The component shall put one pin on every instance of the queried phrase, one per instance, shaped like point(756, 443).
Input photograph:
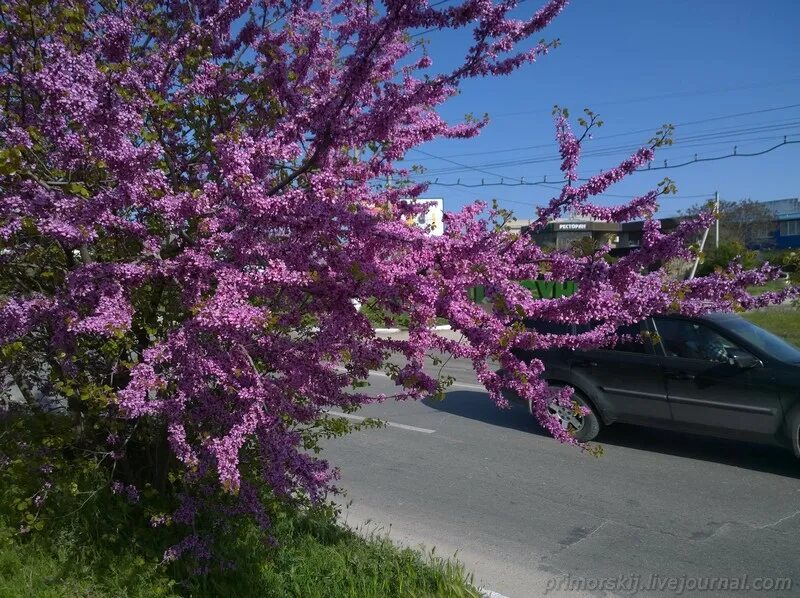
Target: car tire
point(591, 424)
point(793, 430)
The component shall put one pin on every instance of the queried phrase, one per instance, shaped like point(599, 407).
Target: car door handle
point(680, 376)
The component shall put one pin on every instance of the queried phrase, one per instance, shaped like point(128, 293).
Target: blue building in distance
point(787, 222)
point(782, 232)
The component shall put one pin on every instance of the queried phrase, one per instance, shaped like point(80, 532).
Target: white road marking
point(490, 594)
point(471, 386)
point(390, 424)
point(458, 384)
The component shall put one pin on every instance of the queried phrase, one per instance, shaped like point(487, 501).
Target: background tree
point(747, 222)
point(185, 220)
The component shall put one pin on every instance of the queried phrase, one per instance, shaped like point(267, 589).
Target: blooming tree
point(189, 207)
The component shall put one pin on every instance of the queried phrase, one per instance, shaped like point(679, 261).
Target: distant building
point(782, 233)
point(562, 232)
point(623, 237)
point(630, 236)
point(516, 226)
point(433, 219)
point(786, 230)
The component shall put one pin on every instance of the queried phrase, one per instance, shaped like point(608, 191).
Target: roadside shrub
point(721, 257)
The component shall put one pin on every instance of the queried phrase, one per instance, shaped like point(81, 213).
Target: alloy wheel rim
point(566, 416)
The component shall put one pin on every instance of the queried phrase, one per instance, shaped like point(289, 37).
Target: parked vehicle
point(717, 374)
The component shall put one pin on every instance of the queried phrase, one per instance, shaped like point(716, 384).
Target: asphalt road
point(526, 514)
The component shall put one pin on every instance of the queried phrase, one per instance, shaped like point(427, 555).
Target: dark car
point(717, 374)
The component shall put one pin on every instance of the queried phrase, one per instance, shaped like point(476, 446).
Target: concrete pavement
point(523, 512)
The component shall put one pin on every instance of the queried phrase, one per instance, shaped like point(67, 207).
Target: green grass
point(60, 568)
point(380, 318)
point(314, 558)
point(317, 559)
point(782, 321)
point(772, 285)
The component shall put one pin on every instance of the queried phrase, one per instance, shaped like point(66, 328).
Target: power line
point(734, 154)
point(712, 139)
point(634, 132)
point(531, 205)
point(437, 28)
point(475, 168)
point(695, 147)
point(423, 32)
point(614, 152)
point(695, 160)
point(746, 142)
point(676, 94)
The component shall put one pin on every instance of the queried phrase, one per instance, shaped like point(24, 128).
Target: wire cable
point(722, 138)
point(677, 94)
point(634, 132)
point(522, 183)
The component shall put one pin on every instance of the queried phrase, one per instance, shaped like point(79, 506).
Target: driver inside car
point(707, 345)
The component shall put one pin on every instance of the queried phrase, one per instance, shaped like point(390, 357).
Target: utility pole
point(697, 259)
point(705, 236)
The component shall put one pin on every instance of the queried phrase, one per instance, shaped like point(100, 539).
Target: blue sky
point(638, 63)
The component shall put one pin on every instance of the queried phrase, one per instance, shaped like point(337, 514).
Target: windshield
point(766, 341)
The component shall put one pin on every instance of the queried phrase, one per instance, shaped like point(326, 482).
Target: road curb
point(396, 330)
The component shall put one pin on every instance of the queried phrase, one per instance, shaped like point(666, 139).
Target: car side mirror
point(743, 359)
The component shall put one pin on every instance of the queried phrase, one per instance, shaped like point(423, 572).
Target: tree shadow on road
point(478, 406)
point(764, 458)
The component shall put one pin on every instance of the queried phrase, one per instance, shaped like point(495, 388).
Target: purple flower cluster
point(129, 491)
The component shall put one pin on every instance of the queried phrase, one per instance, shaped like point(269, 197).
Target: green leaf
point(78, 189)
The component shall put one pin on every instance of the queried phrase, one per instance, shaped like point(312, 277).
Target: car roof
point(717, 316)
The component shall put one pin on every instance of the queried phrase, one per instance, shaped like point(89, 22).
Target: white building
point(433, 219)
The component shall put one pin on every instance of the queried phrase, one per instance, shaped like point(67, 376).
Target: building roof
point(784, 209)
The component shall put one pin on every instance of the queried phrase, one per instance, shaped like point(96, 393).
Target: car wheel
point(793, 429)
point(583, 427)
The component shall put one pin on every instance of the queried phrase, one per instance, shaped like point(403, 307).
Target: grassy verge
point(380, 318)
point(772, 285)
point(314, 557)
point(781, 321)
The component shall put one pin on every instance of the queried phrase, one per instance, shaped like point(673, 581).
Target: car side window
point(632, 340)
point(692, 340)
